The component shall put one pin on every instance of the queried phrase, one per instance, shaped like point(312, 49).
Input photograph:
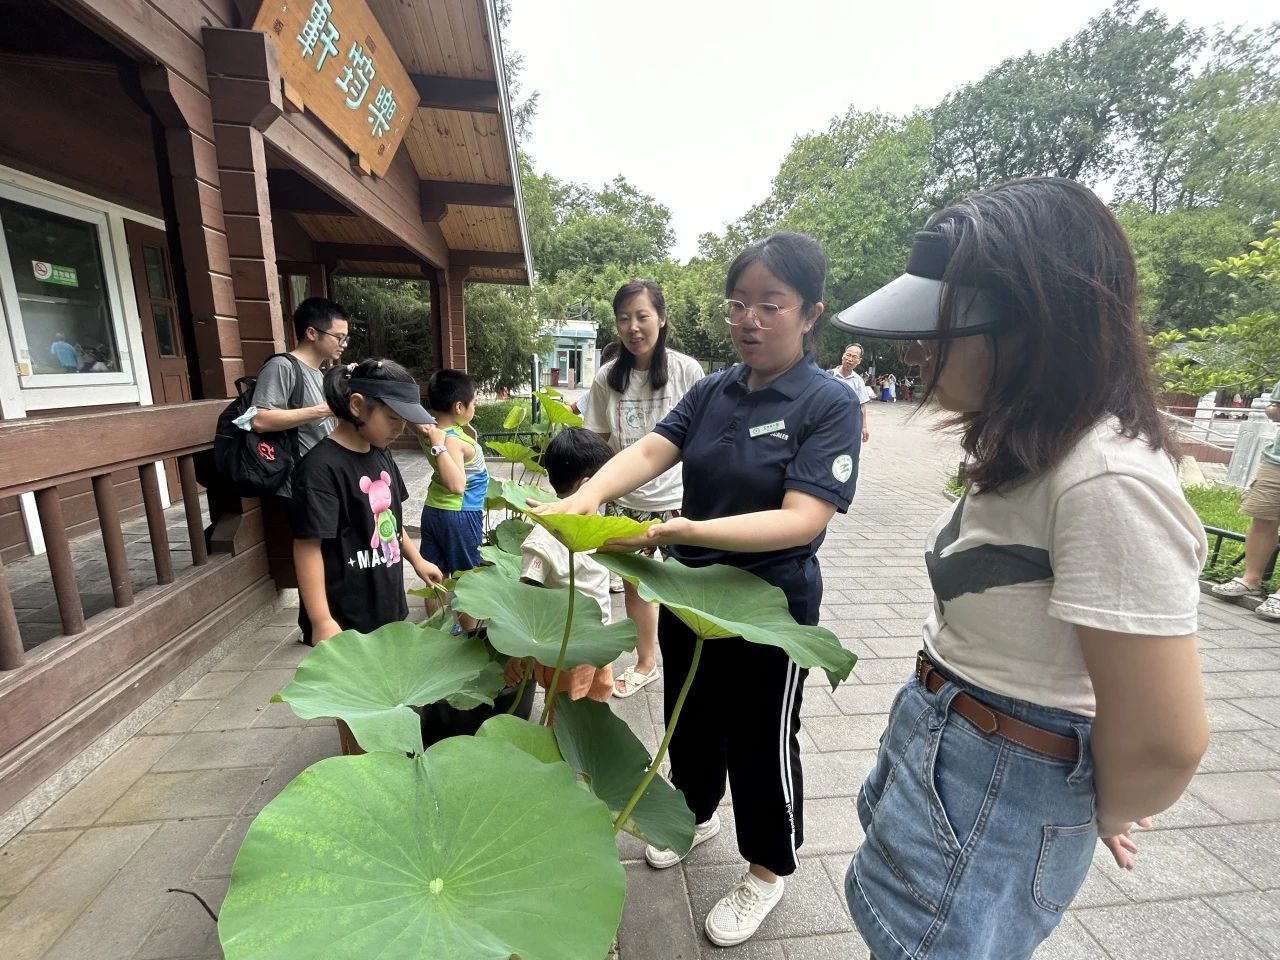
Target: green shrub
point(489, 416)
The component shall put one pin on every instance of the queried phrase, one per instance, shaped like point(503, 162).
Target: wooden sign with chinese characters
point(335, 55)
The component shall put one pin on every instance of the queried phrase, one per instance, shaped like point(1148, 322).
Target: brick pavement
point(87, 877)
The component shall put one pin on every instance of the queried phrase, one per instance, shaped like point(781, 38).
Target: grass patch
point(489, 416)
point(1218, 507)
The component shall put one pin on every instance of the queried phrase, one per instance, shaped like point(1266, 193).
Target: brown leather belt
point(991, 721)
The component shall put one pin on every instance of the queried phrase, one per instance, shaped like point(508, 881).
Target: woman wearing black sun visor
point(1057, 696)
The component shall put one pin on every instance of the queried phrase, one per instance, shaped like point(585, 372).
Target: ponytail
point(337, 384)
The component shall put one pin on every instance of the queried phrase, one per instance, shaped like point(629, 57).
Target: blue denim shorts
point(975, 845)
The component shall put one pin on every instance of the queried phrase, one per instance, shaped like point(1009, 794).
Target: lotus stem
point(666, 740)
point(524, 678)
point(564, 649)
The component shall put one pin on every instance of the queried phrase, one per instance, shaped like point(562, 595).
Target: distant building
point(570, 359)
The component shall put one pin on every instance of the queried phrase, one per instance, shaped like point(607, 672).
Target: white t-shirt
point(855, 383)
point(1105, 539)
point(545, 560)
point(628, 416)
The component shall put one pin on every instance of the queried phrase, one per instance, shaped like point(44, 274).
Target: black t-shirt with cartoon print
point(351, 502)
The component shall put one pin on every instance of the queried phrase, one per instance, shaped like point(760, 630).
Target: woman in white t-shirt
point(628, 397)
point(1057, 699)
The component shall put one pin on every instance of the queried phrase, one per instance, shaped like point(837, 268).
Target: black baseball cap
point(907, 308)
point(401, 396)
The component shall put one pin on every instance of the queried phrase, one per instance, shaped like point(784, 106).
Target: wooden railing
point(41, 456)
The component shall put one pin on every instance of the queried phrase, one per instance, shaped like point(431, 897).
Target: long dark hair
point(1057, 261)
point(620, 372)
point(337, 384)
point(794, 258)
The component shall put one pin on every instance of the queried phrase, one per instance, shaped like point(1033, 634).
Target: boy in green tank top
point(453, 516)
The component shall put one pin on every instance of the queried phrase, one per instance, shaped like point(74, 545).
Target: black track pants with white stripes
point(741, 719)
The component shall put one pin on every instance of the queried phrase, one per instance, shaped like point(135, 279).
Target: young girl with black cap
point(1057, 698)
point(346, 512)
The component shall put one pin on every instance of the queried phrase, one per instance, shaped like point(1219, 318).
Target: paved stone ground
point(32, 590)
point(88, 878)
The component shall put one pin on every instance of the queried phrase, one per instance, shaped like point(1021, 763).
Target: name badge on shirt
point(767, 428)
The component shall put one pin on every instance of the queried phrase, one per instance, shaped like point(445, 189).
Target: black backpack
point(256, 464)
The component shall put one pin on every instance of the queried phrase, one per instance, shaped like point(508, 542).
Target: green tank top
point(472, 497)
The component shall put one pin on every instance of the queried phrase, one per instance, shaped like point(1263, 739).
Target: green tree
point(1171, 250)
point(389, 318)
point(1242, 354)
point(1217, 142)
point(504, 331)
point(587, 228)
point(1069, 112)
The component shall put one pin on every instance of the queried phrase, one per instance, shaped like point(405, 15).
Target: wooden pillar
point(194, 213)
point(449, 317)
point(244, 89)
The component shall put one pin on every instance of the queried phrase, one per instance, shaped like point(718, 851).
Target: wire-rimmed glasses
point(735, 313)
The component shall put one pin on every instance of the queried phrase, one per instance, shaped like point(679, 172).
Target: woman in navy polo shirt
point(770, 453)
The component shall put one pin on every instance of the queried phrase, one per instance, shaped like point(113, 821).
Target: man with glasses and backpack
point(289, 394)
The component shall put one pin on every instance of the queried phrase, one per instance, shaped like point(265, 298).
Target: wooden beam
point(486, 258)
point(454, 93)
point(436, 195)
point(374, 252)
point(295, 193)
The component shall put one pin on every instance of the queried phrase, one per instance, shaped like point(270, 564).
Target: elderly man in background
point(847, 374)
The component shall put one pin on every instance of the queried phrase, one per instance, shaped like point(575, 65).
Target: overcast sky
point(697, 101)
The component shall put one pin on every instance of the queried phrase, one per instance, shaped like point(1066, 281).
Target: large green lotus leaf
point(721, 601)
point(503, 561)
point(510, 534)
point(493, 495)
point(516, 453)
point(581, 534)
point(483, 691)
point(558, 412)
point(372, 681)
point(508, 564)
point(537, 741)
point(515, 416)
point(515, 495)
point(601, 747)
point(473, 851)
point(528, 621)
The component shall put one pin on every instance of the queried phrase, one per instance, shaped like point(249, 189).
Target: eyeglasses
point(342, 340)
point(765, 313)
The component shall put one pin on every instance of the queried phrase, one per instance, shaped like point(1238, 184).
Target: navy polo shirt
point(742, 451)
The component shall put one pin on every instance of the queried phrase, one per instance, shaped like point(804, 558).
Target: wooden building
point(175, 176)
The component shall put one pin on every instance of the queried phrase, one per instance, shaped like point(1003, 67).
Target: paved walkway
point(88, 878)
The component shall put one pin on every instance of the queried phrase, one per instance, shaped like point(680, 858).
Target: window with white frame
point(57, 279)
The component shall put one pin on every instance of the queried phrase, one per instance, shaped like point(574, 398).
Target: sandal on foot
point(1269, 609)
point(635, 681)
point(1234, 588)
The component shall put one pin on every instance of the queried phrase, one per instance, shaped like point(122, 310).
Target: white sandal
point(635, 681)
point(1235, 587)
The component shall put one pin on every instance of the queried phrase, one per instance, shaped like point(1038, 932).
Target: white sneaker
point(740, 912)
point(661, 859)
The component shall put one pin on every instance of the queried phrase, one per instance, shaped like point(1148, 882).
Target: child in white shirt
point(571, 458)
